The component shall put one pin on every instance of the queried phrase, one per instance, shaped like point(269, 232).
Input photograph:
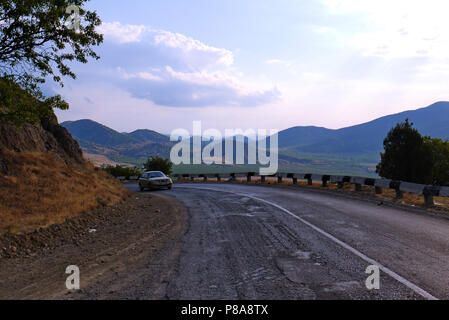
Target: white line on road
point(388, 271)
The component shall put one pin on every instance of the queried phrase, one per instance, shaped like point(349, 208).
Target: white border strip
point(388, 271)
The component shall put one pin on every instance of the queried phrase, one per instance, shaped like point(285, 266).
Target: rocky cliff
point(48, 136)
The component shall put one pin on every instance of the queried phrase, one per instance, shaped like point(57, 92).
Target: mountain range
point(350, 150)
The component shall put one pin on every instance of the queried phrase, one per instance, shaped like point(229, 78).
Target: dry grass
point(42, 191)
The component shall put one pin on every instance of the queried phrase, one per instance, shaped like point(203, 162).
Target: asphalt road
point(253, 242)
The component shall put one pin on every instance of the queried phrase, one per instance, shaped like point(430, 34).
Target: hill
point(352, 150)
point(131, 148)
point(146, 135)
point(45, 180)
point(94, 132)
point(366, 138)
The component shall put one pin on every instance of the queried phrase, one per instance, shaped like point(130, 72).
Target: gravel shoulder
point(125, 251)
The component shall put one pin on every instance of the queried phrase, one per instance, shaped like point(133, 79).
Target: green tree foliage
point(36, 44)
point(18, 106)
point(127, 172)
point(440, 159)
point(407, 157)
point(159, 164)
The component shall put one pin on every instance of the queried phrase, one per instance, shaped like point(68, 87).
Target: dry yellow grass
point(42, 190)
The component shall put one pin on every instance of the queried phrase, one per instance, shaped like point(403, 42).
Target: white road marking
point(388, 271)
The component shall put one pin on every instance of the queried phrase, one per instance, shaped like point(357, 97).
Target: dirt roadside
point(125, 251)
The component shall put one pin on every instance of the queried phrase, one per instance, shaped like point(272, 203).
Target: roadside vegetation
point(43, 178)
point(41, 190)
point(37, 44)
point(159, 164)
point(126, 172)
point(410, 157)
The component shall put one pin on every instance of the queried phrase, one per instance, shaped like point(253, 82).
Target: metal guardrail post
point(429, 192)
point(428, 200)
point(396, 186)
point(309, 179)
point(325, 179)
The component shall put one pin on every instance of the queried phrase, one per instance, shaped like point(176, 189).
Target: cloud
point(195, 89)
point(174, 70)
point(120, 33)
point(193, 53)
point(192, 46)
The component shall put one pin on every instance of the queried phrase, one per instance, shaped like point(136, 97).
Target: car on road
point(154, 180)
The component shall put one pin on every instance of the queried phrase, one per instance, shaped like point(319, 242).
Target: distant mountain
point(366, 138)
point(352, 150)
point(134, 147)
point(149, 135)
point(303, 136)
point(94, 132)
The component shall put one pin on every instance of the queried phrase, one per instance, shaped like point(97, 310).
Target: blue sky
point(261, 64)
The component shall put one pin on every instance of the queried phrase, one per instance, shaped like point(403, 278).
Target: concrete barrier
point(412, 187)
point(382, 183)
point(444, 191)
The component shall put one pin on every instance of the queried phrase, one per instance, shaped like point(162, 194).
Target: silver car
point(154, 180)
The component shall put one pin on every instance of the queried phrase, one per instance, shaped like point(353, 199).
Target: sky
point(260, 64)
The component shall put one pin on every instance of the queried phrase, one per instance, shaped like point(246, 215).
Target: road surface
point(235, 241)
point(254, 242)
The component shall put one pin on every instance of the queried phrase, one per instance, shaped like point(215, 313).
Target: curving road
point(254, 242)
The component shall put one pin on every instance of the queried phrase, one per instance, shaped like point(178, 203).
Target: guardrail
point(429, 192)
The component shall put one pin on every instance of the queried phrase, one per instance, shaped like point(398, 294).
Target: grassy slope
point(44, 190)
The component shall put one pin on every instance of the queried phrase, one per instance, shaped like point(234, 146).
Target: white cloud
point(195, 89)
point(141, 75)
point(194, 53)
point(187, 44)
point(172, 69)
point(122, 33)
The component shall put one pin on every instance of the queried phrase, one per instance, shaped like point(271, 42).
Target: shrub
point(127, 172)
point(159, 164)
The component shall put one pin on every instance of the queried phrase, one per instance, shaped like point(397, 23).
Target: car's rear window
point(156, 174)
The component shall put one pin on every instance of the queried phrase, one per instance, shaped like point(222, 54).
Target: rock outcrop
point(48, 136)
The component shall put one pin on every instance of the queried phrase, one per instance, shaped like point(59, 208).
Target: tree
point(406, 156)
point(440, 159)
point(159, 164)
point(37, 43)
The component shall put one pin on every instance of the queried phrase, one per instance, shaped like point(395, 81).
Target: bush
point(127, 172)
point(159, 164)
